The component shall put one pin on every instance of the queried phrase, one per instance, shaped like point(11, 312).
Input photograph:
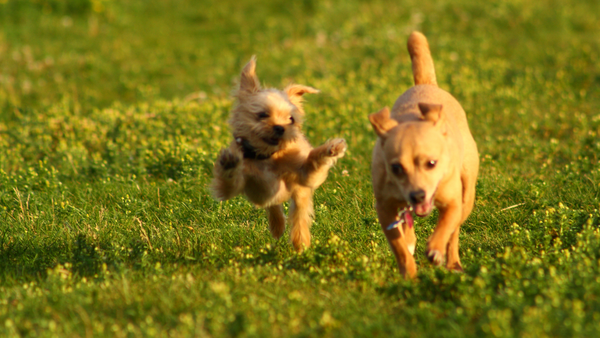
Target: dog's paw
point(409, 269)
point(336, 148)
point(456, 267)
point(435, 257)
point(229, 160)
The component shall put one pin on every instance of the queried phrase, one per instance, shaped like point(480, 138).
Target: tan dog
point(270, 160)
point(425, 156)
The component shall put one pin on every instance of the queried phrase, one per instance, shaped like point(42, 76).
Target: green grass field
point(112, 113)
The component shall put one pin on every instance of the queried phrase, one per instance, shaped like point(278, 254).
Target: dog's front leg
point(397, 240)
point(301, 211)
point(320, 159)
point(228, 180)
point(447, 226)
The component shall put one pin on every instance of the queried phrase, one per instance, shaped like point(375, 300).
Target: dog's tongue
point(408, 219)
point(422, 209)
point(405, 217)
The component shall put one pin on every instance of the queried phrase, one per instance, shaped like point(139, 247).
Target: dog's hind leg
point(452, 258)
point(468, 200)
point(276, 220)
point(468, 194)
point(301, 211)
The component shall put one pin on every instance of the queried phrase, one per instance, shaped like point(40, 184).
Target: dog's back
point(426, 90)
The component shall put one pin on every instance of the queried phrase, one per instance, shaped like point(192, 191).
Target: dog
point(424, 157)
point(269, 160)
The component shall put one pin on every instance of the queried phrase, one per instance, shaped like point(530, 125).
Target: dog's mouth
point(423, 209)
point(273, 141)
point(405, 215)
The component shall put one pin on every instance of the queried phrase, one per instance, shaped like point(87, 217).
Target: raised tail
point(422, 63)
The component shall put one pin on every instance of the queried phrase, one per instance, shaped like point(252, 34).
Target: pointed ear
point(381, 122)
point(296, 91)
point(431, 112)
point(249, 81)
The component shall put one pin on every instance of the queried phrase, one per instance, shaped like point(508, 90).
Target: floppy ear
point(296, 91)
point(434, 113)
point(249, 81)
point(381, 122)
point(431, 112)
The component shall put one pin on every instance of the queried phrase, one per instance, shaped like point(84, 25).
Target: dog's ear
point(249, 81)
point(381, 122)
point(296, 91)
point(434, 113)
point(431, 112)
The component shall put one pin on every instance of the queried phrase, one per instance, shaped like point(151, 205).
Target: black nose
point(417, 197)
point(279, 130)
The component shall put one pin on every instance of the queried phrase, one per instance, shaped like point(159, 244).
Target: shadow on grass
point(22, 261)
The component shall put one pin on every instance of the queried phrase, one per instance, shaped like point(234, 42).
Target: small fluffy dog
point(425, 156)
point(270, 160)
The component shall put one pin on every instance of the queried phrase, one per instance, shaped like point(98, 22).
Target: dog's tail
point(422, 63)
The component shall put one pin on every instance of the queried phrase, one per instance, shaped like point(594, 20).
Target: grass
point(112, 113)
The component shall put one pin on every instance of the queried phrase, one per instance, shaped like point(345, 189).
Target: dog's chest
point(265, 185)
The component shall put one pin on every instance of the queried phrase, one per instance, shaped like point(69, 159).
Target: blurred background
point(94, 52)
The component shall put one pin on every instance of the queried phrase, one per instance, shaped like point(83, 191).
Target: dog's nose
point(417, 197)
point(279, 130)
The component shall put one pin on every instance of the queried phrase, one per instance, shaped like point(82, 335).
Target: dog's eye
point(431, 164)
point(397, 169)
point(262, 115)
point(292, 121)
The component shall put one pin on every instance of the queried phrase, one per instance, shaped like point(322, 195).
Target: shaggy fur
point(270, 160)
point(425, 156)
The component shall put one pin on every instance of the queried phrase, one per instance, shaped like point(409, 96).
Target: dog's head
point(415, 154)
point(267, 119)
